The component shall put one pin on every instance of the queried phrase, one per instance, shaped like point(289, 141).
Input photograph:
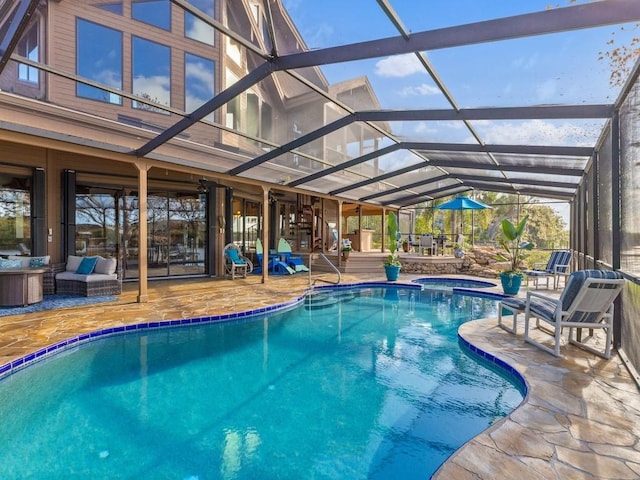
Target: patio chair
point(586, 302)
point(293, 260)
point(274, 264)
point(427, 243)
point(235, 262)
point(558, 264)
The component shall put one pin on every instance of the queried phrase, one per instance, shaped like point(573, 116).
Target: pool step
point(326, 299)
point(315, 301)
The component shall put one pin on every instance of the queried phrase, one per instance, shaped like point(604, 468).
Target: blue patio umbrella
point(463, 203)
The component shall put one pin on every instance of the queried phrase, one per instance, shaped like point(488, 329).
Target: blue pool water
point(374, 385)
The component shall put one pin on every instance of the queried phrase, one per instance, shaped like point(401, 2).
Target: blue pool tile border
point(11, 367)
point(26, 360)
point(511, 373)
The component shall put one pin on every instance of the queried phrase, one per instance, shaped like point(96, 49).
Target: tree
point(621, 57)
point(546, 228)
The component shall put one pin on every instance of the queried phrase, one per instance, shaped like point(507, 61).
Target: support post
point(143, 170)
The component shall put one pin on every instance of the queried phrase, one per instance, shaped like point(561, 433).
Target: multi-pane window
point(198, 82)
point(151, 65)
point(28, 48)
point(195, 28)
point(153, 12)
point(15, 215)
point(99, 58)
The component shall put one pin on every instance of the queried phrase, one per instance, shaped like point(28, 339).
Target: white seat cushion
point(94, 277)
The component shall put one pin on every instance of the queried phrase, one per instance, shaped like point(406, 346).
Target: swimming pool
point(444, 283)
point(373, 386)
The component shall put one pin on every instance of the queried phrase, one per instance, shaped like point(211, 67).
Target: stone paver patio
point(581, 418)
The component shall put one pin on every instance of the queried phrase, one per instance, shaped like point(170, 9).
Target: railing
point(328, 262)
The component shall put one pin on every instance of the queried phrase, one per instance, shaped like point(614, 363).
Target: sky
point(561, 68)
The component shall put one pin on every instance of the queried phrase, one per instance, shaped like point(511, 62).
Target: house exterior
point(69, 183)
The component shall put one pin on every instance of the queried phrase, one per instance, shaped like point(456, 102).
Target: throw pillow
point(36, 262)
point(10, 263)
point(106, 266)
point(73, 262)
point(87, 265)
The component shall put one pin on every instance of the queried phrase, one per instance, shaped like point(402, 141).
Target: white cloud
point(201, 31)
point(399, 66)
point(110, 78)
point(423, 89)
point(200, 77)
point(157, 88)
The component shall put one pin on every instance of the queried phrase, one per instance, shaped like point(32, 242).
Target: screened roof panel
point(432, 131)
point(419, 190)
point(322, 88)
point(541, 161)
point(320, 26)
point(562, 68)
point(516, 177)
point(573, 132)
point(443, 158)
point(417, 18)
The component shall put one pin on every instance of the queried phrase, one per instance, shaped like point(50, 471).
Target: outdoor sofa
point(89, 276)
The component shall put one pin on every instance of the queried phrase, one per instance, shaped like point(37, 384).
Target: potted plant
point(405, 245)
point(392, 263)
point(458, 250)
point(345, 252)
point(514, 253)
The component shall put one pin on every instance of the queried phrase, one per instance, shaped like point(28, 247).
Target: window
point(15, 214)
point(195, 28)
point(151, 74)
point(198, 82)
point(261, 22)
point(253, 115)
point(113, 7)
point(153, 12)
point(266, 117)
point(233, 119)
point(28, 48)
point(99, 58)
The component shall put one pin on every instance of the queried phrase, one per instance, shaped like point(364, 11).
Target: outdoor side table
point(21, 286)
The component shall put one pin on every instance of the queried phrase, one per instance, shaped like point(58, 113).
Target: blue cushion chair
point(586, 302)
point(559, 263)
point(274, 264)
point(294, 261)
point(235, 262)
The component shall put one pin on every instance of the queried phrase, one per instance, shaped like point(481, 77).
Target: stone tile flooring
point(581, 418)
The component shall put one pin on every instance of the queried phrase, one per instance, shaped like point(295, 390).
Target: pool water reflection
point(373, 385)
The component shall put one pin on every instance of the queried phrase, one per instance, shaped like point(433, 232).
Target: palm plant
point(392, 232)
point(514, 248)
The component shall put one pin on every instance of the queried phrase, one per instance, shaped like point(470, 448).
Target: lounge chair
point(274, 264)
point(235, 262)
point(291, 259)
point(559, 264)
point(586, 302)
